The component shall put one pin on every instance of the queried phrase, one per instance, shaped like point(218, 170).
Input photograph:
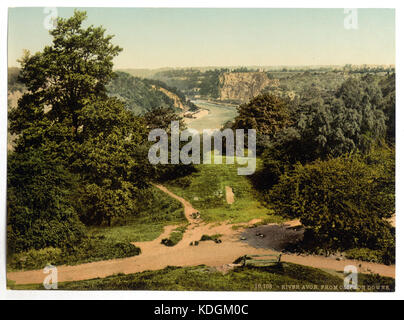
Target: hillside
point(142, 95)
point(243, 86)
point(236, 86)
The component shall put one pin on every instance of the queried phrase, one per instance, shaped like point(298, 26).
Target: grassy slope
point(286, 277)
point(206, 193)
point(105, 243)
point(163, 211)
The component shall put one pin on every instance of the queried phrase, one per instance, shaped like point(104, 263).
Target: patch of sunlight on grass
point(206, 192)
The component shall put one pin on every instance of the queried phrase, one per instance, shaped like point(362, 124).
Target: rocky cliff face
point(243, 86)
point(176, 100)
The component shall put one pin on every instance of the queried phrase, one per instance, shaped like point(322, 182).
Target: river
point(217, 116)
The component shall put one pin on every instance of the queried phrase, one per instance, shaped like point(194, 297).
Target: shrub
point(32, 259)
point(39, 206)
point(206, 237)
point(343, 202)
point(364, 254)
point(175, 236)
point(89, 250)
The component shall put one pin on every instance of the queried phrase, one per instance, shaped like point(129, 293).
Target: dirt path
point(156, 256)
point(188, 209)
point(229, 195)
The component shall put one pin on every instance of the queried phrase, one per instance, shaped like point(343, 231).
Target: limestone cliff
point(176, 99)
point(243, 86)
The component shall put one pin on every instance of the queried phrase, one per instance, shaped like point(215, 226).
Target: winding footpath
point(156, 256)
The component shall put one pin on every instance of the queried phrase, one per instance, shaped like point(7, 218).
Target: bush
point(206, 237)
point(175, 236)
point(365, 254)
point(39, 203)
point(32, 259)
point(343, 203)
point(89, 250)
point(96, 248)
point(387, 255)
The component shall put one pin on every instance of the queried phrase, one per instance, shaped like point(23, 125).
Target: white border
point(146, 295)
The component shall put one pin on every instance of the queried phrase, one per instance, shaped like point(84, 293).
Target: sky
point(171, 37)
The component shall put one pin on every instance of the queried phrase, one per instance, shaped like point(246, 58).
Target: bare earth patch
point(229, 195)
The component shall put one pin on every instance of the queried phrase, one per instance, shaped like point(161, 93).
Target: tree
point(210, 83)
point(39, 203)
point(343, 202)
point(266, 113)
point(111, 161)
point(332, 125)
point(388, 87)
point(60, 79)
point(67, 113)
point(161, 118)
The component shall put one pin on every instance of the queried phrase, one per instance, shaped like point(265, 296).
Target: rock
point(243, 86)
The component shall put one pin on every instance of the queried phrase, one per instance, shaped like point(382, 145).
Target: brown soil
point(155, 256)
point(229, 195)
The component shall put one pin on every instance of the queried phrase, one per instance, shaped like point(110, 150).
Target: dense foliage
point(268, 114)
point(343, 202)
point(193, 82)
point(12, 81)
point(79, 155)
point(39, 203)
point(89, 250)
point(209, 86)
point(144, 95)
point(328, 159)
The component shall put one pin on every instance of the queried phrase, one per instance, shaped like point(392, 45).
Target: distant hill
point(142, 95)
point(234, 86)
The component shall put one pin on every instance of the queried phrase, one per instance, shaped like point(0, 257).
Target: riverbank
point(212, 115)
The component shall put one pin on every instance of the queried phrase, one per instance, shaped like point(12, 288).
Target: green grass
point(175, 236)
point(282, 277)
point(214, 237)
point(147, 226)
point(205, 189)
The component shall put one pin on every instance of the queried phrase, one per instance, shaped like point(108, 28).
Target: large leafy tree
point(266, 113)
point(343, 202)
point(63, 77)
point(67, 113)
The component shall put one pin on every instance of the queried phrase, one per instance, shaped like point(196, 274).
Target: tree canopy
point(343, 202)
point(67, 115)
